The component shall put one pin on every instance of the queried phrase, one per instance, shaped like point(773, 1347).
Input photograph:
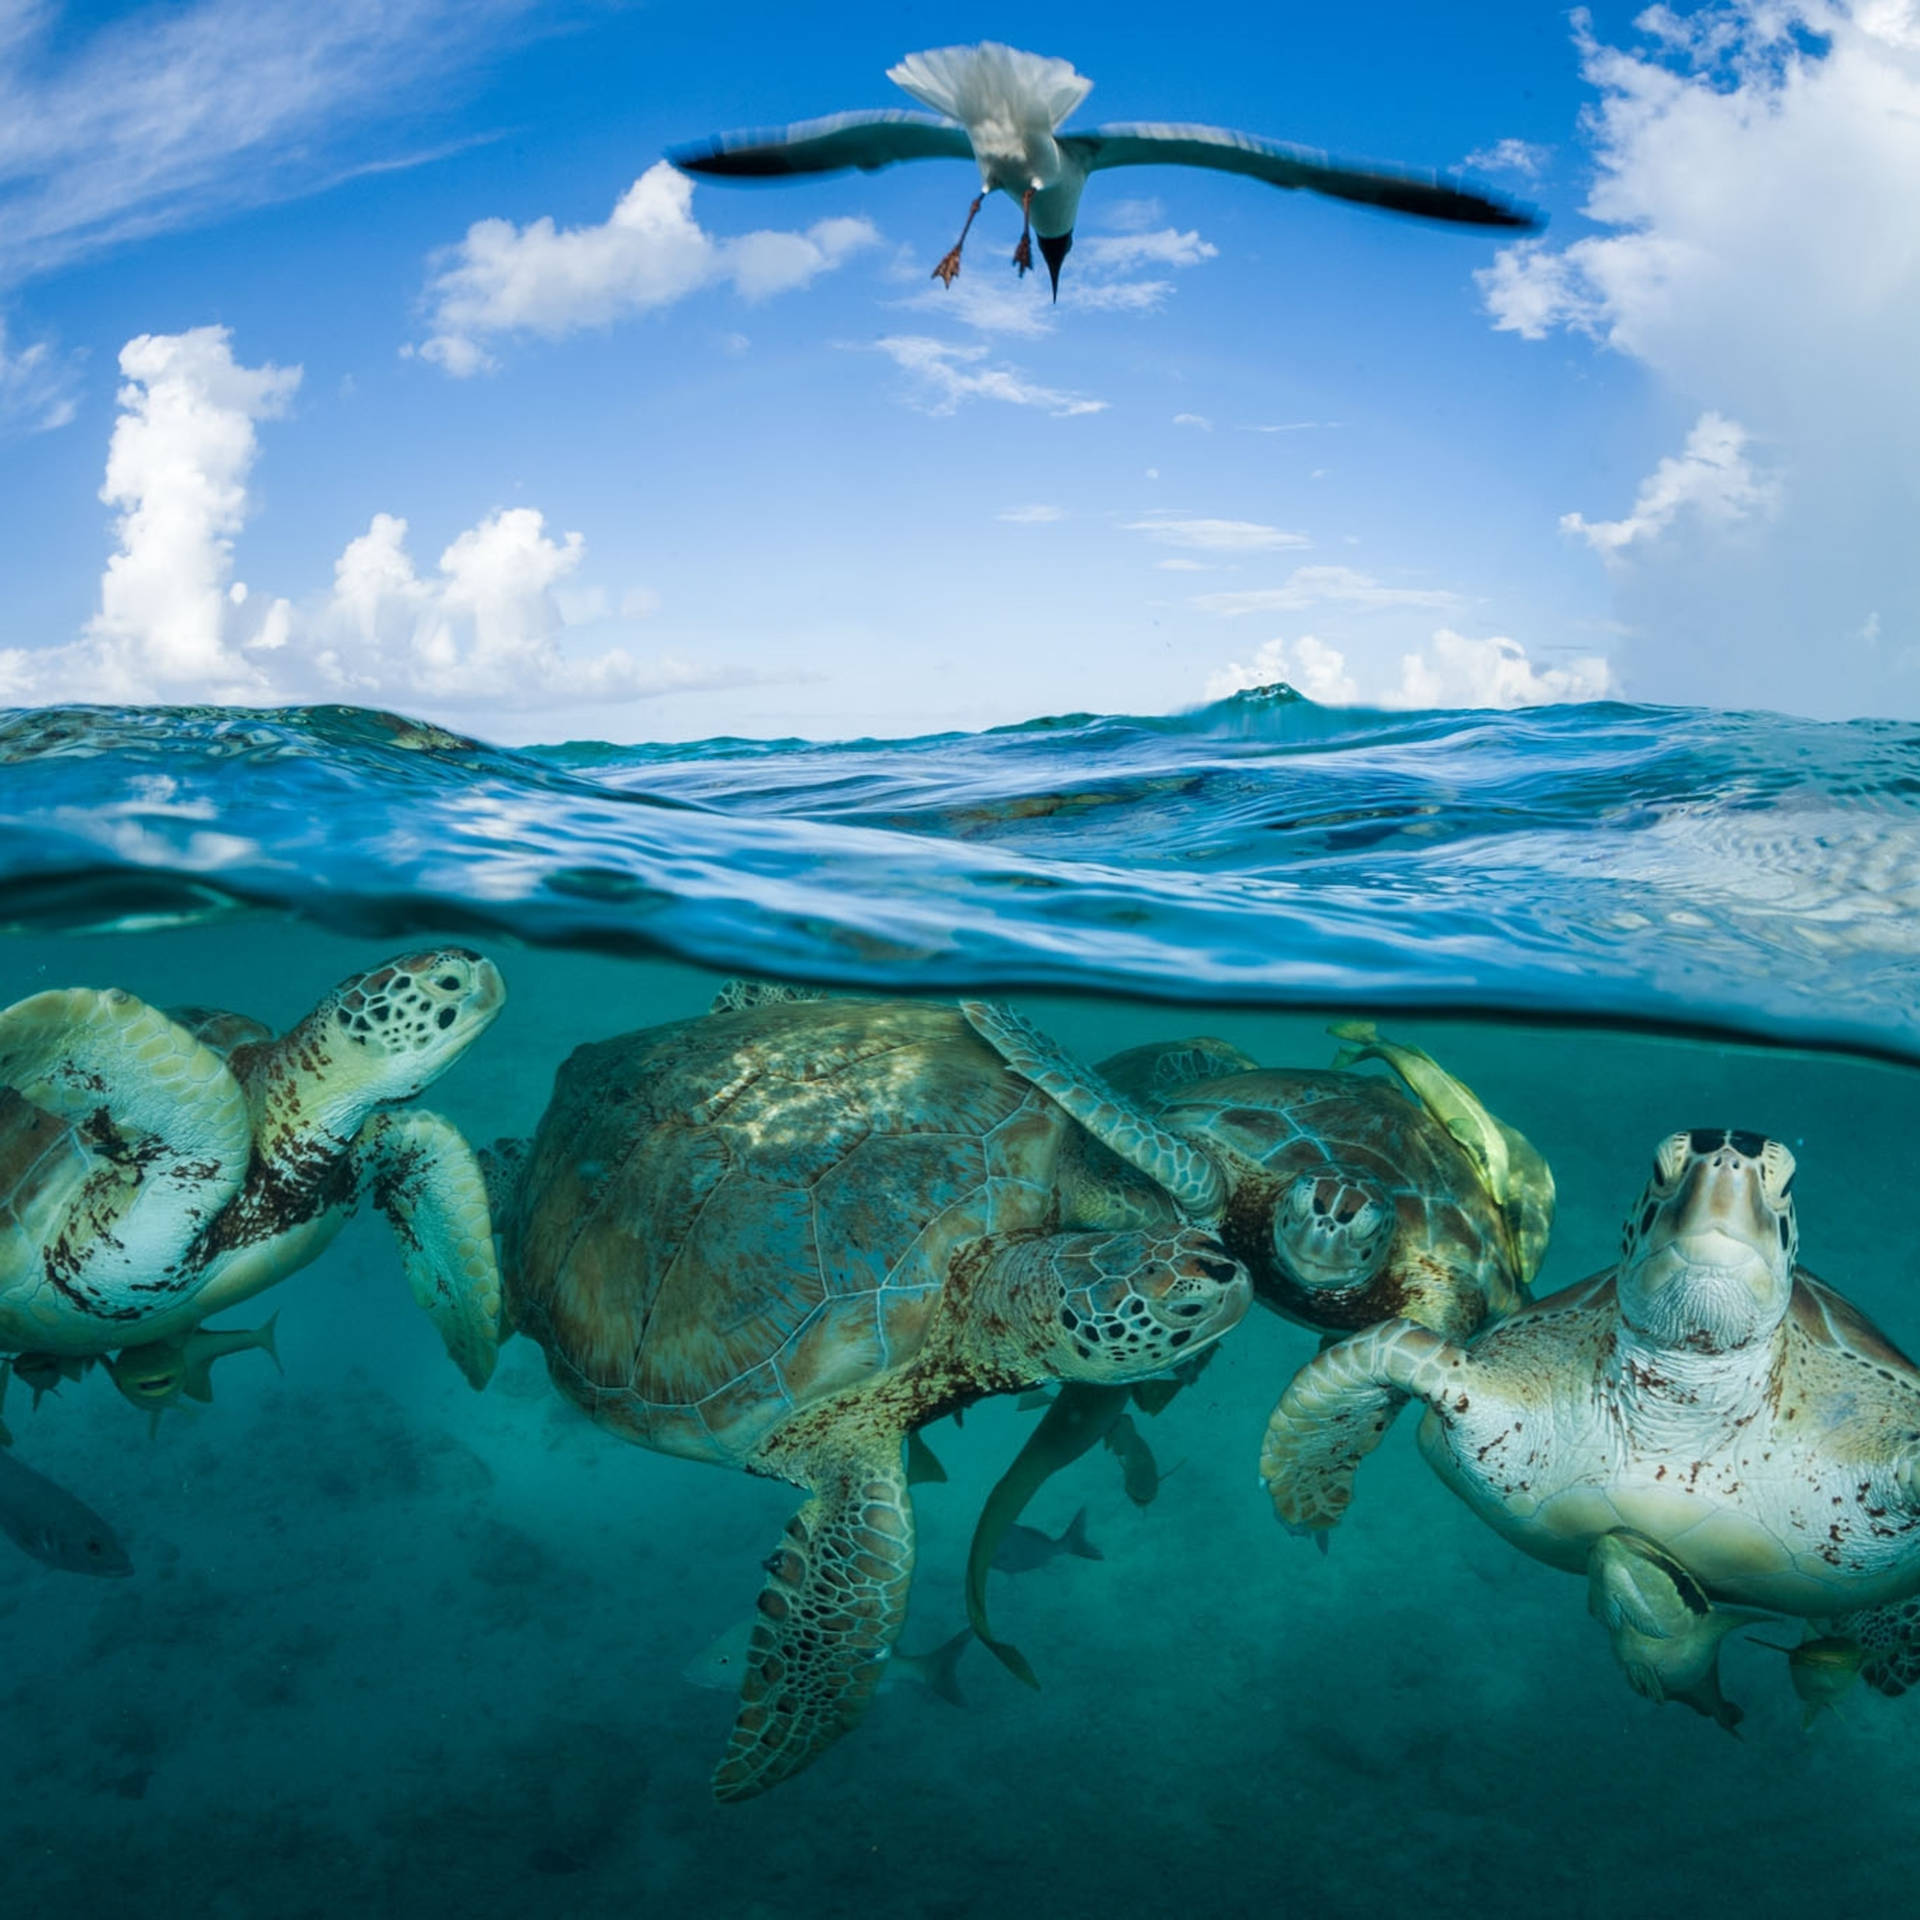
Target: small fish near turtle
point(56, 1527)
point(783, 1236)
point(1349, 1197)
point(1737, 1427)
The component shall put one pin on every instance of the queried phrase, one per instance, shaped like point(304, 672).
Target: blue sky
point(274, 280)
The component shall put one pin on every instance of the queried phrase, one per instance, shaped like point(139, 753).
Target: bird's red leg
point(949, 268)
point(1023, 253)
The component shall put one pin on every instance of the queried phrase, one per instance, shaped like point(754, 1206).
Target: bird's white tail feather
point(992, 82)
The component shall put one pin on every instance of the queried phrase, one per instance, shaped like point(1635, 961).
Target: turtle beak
point(1053, 251)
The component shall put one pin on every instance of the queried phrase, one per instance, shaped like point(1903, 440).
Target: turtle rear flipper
point(427, 1181)
point(834, 1604)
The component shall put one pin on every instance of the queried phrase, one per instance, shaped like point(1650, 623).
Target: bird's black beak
point(1053, 252)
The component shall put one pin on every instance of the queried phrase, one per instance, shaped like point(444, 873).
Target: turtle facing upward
point(782, 1236)
point(157, 1169)
point(1705, 1396)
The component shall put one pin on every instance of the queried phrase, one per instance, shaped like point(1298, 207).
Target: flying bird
point(1003, 109)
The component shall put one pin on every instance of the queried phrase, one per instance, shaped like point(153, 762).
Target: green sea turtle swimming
point(1706, 1395)
point(1348, 1197)
point(158, 1168)
point(783, 1235)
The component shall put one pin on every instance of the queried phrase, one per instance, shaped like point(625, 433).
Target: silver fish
point(51, 1524)
point(1025, 1548)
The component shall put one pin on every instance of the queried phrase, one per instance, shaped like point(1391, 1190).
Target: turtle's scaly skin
point(1347, 1202)
point(780, 1237)
point(1707, 1395)
point(155, 1169)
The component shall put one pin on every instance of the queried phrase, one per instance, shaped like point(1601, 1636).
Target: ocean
point(394, 1647)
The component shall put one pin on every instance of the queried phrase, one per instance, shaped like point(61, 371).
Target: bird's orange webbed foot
point(949, 269)
point(1023, 256)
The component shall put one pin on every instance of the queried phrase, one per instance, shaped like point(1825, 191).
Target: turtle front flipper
point(1195, 1183)
point(166, 1138)
point(1338, 1408)
point(832, 1608)
point(427, 1181)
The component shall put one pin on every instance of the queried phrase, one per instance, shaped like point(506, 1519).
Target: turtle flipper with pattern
point(784, 1236)
point(829, 1615)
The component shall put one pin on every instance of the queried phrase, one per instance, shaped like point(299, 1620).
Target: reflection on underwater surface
point(393, 1645)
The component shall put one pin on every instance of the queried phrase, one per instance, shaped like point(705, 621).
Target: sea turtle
point(1347, 1201)
point(157, 1168)
point(782, 1235)
point(1706, 1394)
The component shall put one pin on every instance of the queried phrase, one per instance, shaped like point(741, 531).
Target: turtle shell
point(1447, 1266)
point(728, 1219)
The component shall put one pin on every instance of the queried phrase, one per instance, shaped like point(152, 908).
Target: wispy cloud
point(948, 375)
point(1101, 276)
point(1198, 420)
point(1510, 156)
point(649, 252)
point(1214, 536)
point(37, 386)
point(167, 116)
point(1325, 586)
point(1036, 516)
point(1711, 477)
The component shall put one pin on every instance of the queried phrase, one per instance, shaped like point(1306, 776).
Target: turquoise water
point(393, 1647)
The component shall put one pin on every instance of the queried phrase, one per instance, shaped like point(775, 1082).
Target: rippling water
point(391, 1647)
point(1733, 872)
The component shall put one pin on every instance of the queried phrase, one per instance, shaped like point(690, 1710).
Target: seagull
point(1003, 109)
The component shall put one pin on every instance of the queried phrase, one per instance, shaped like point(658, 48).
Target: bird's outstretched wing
point(865, 140)
point(1283, 166)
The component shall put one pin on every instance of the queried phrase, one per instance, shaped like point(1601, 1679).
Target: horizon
point(380, 358)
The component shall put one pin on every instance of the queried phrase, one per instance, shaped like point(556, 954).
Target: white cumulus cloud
point(182, 450)
point(947, 375)
point(1711, 477)
point(650, 252)
point(486, 629)
point(1454, 671)
point(1759, 254)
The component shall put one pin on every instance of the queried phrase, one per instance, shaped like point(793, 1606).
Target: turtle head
point(1332, 1230)
point(1709, 1252)
point(1136, 1303)
point(1103, 1307)
point(397, 1028)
